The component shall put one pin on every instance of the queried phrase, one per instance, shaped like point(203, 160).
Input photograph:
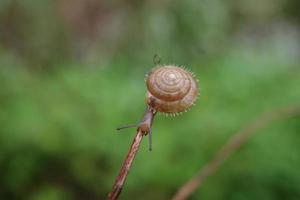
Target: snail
point(170, 90)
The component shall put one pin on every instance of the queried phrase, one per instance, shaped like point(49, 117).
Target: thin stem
point(231, 147)
point(118, 186)
point(143, 129)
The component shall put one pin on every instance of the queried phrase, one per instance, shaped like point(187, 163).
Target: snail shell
point(171, 89)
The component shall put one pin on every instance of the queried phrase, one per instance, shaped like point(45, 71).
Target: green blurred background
point(71, 71)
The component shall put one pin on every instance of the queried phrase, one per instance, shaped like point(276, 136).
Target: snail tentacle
point(150, 139)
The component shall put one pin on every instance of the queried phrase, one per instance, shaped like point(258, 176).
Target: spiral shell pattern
point(171, 89)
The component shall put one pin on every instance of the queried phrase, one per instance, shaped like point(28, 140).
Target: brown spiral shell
point(171, 89)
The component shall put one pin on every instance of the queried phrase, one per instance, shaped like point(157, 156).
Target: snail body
point(171, 89)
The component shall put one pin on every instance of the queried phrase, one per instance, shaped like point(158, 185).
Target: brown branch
point(143, 128)
point(117, 188)
point(230, 147)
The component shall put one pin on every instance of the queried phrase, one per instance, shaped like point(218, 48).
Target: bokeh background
point(71, 71)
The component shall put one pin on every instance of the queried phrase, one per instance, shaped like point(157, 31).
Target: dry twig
point(230, 147)
point(143, 128)
point(117, 188)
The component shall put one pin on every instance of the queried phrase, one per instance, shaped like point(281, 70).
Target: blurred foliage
point(72, 71)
